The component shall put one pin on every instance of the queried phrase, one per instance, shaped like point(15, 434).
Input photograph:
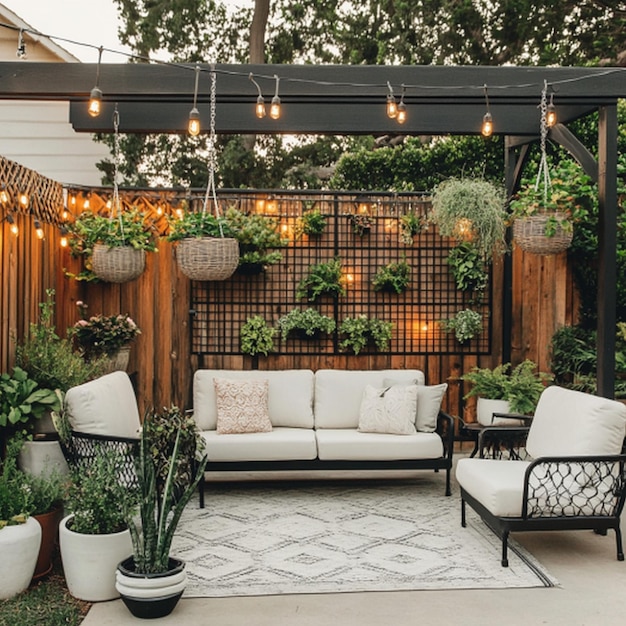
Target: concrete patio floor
point(591, 592)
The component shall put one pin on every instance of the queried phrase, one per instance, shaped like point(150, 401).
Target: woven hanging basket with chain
point(117, 265)
point(529, 234)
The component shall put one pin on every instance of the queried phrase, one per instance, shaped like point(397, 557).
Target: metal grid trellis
point(221, 308)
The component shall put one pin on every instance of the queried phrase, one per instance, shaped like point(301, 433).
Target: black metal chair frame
point(548, 503)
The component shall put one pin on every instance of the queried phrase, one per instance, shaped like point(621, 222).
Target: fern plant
point(323, 279)
point(393, 277)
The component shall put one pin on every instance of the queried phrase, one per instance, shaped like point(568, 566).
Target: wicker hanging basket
point(208, 258)
point(117, 265)
point(529, 234)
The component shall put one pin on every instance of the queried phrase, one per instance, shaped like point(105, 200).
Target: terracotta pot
point(49, 523)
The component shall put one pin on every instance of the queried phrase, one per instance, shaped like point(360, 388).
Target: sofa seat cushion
point(497, 485)
point(351, 445)
point(281, 444)
point(290, 396)
point(338, 393)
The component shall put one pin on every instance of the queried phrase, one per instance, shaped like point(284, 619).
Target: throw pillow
point(388, 410)
point(428, 403)
point(242, 406)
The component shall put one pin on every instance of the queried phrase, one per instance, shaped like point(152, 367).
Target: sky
point(92, 22)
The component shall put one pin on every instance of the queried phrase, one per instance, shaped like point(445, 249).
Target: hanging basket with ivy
point(118, 264)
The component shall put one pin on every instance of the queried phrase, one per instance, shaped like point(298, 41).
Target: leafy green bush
point(468, 268)
point(360, 330)
point(323, 279)
point(466, 324)
point(394, 276)
point(309, 322)
point(256, 336)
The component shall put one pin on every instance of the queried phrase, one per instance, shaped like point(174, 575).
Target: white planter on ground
point(90, 561)
point(42, 457)
point(485, 409)
point(19, 548)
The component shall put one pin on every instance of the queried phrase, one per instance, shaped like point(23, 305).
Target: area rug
point(330, 537)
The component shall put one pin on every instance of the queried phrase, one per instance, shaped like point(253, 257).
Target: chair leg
point(463, 522)
point(618, 541)
point(505, 541)
point(448, 491)
point(201, 492)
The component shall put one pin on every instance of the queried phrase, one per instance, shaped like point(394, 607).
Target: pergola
point(350, 100)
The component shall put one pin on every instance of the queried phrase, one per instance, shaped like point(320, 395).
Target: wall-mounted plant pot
point(117, 265)
point(251, 269)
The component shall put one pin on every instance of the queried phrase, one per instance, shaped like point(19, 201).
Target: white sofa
point(314, 423)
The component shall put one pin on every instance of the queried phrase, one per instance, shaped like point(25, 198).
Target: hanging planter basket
point(208, 258)
point(117, 265)
point(529, 234)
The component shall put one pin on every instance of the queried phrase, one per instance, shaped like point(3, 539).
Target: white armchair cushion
point(104, 406)
point(572, 423)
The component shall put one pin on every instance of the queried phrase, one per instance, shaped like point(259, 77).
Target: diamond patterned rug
point(267, 538)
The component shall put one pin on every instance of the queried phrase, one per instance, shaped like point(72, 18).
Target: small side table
point(498, 438)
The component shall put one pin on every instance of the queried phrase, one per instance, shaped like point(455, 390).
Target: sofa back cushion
point(290, 396)
point(572, 423)
point(338, 393)
point(104, 406)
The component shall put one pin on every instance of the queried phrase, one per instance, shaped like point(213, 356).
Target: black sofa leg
point(618, 541)
point(448, 491)
point(201, 492)
point(505, 541)
point(463, 522)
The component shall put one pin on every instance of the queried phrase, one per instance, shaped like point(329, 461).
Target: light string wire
point(191, 67)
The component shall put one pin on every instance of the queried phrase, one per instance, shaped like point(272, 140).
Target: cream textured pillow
point(242, 406)
point(428, 403)
point(389, 410)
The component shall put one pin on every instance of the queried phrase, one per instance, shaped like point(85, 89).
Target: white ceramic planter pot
point(89, 562)
point(151, 595)
point(485, 409)
point(42, 457)
point(19, 548)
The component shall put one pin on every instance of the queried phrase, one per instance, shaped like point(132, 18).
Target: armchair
point(574, 479)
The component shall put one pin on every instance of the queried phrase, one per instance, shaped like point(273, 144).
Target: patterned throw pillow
point(389, 410)
point(242, 406)
point(429, 400)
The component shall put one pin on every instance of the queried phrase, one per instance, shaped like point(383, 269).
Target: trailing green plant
point(197, 224)
point(256, 336)
point(164, 491)
point(257, 235)
point(324, 278)
point(468, 268)
point(410, 226)
point(361, 223)
point(394, 276)
point(311, 223)
point(573, 355)
point(309, 322)
point(50, 360)
point(465, 325)
point(360, 330)
point(471, 209)
point(568, 199)
point(520, 386)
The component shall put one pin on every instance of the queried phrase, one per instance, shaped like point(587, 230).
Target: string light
point(401, 111)
point(260, 101)
point(392, 107)
point(4, 196)
point(21, 46)
point(24, 200)
point(487, 128)
point(193, 126)
point(38, 229)
point(14, 229)
point(551, 116)
point(275, 105)
point(95, 97)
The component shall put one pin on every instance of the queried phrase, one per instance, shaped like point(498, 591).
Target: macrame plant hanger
point(543, 173)
point(209, 257)
point(122, 263)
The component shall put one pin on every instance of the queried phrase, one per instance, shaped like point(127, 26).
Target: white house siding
point(38, 135)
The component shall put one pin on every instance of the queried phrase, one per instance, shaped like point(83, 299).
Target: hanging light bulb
point(275, 105)
point(63, 241)
point(392, 107)
point(95, 97)
point(4, 196)
point(193, 126)
point(38, 229)
point(551, 117)
point(401, 111)
point(14, 229)
point(260, 101)
point(21, 46)
point(86, 204)
point(24, 200)
point(487, 127)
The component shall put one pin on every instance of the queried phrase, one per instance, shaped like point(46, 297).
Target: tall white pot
point(42, 457)
point(19, 548)
point(90, 562)
point(485, 408)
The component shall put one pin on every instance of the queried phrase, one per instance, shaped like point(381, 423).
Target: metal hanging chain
point(116, 208)
point(212, 156)
point(543, 174)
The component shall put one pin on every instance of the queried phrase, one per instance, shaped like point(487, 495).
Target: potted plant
point(361, 223)
point(543, 215)
point(469, 209)
point(360, 330)
point(465, 325)
point(393, 277)
point(257, 236)
point(94, 536)
point(468, 269)
point(114, 247)
point(311, 223)
point(206, 248)
point(170, 464)
point(105, 336)
point(257, 337)
point(505, 390)
point(410, 226)
point(305, 323)
point(20, 535)
point(323, 279)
